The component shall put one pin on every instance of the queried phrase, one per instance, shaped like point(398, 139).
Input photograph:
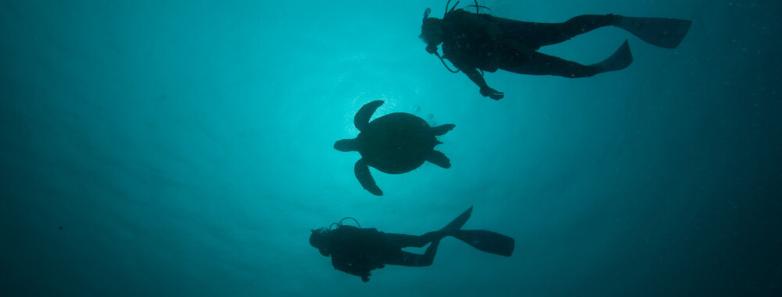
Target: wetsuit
point(357, 251)
point(474, 42)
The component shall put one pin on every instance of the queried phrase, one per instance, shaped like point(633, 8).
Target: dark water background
point(184, 148)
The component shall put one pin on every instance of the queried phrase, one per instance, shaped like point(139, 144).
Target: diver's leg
point(542, 34)
point(415, 260)
point(536, 63)
point(405, 240)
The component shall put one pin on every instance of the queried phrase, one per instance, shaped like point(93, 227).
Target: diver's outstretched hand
point(492, 93)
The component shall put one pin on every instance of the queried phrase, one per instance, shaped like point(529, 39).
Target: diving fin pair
point(487, 241)
point(662, 32)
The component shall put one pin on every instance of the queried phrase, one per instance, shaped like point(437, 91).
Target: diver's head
point(346, 145)
point(319, 238)
point(431, 32)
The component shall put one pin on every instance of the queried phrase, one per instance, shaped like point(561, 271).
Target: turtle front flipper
point(365, 178)
point(361, 120)
point(439, 159)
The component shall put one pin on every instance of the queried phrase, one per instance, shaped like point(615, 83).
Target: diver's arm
point(340, 265)
point(478, 79)
point(350, 268)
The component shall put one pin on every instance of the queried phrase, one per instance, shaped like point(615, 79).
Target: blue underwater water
point(185, 148)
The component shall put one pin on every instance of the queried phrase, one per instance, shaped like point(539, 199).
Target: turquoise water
point(184, 148)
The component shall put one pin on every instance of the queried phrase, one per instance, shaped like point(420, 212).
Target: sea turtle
point(394, 143)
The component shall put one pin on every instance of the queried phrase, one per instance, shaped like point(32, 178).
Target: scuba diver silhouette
point(477, 42)
point(358, 251)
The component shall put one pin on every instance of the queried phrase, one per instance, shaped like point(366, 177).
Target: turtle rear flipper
point(439, 159)
point(361, 120)
point(365, 178)
point(442, 129)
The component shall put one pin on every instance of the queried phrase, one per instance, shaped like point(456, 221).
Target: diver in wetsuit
point(358, 251)
point(477, 42)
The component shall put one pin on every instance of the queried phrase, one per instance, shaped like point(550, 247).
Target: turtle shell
point(397, 142)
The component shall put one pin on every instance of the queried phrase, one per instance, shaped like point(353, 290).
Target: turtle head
point(346, 145)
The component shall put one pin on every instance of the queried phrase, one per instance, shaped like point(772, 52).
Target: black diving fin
point(662, 32)
point(458, 222)
point(620, 59)
point(487, 241)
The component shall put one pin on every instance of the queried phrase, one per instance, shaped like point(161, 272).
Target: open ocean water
point(184, 148)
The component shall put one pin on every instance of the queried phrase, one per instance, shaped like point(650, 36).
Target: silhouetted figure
point(477, 42)
point(394, 143)
point(358, 251)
